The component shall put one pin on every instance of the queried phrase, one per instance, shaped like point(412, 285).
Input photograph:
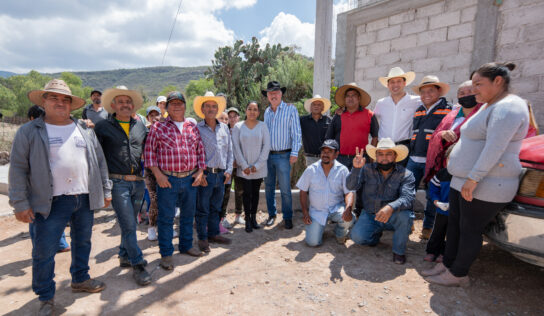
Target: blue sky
point(87, 35)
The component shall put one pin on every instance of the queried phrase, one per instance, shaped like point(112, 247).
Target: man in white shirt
point(395, 112)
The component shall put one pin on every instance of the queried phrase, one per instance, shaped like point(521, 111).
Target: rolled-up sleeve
point(407, 193)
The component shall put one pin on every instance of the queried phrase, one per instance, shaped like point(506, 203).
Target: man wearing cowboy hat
point(122, 138)
point(314, 127)
point(94, 112)
point(284, 125)
point(219, 157)
point(426, 119)
point(175, 154)
point(58, 175)
point(354, 124)
point(324, 182)
point(395, 112)
point(388, 193)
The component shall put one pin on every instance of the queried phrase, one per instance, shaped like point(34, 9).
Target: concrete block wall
point(432, 39)
point(521, 40)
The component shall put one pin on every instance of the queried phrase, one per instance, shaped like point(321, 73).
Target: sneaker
point(152, 233)
point(222, 229)
point(140, 275)
point(89, 286)
point(47, 308)
point(225, 223)
point(239, 220)
point(270, 221)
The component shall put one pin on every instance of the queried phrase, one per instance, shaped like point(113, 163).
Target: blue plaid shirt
point(397, 190)
point(217, 145)
point(284, 128)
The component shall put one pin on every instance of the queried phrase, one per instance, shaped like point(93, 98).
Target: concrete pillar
point(323, 47)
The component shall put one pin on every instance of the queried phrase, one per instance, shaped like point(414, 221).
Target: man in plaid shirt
point(175, 154)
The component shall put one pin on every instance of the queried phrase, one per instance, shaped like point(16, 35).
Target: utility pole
point(323, 47)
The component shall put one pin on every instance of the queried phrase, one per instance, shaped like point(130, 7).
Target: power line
point(171, 31)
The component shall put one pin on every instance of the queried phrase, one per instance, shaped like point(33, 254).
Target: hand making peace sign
point(359, 160)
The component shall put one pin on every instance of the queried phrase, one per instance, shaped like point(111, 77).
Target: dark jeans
point(251, 195)
point(63, 244)
point(208, 205)
point(418, 169)
point(73, 209)
point(466, 224)
point(437, 241)
point(184, 193)
point(238, 191)
point(127, 199)
point(278, 166)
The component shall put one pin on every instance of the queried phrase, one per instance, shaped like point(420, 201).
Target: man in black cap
point(94, 112)
point(325, 183)
point(285, 140)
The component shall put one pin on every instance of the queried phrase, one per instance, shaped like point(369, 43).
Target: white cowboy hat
point(209, 96)
point(432, 81)
point(110, 94)
point(388, 143)
point(340, 95)
point(56, 86)
point(317, 97)
point(397, 72)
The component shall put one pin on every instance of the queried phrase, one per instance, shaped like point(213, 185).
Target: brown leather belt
point(215, 170)
point(126, 177)
point(179, 174)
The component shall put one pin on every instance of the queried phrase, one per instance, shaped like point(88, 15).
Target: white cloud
point(111, 35)
point(288, 30)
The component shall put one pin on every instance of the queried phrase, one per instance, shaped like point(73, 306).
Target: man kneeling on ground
point(387, 195)
point(325, 181)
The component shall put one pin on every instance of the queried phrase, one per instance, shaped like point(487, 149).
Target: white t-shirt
point(180, 124)
point(396, 119)
point(68, 160)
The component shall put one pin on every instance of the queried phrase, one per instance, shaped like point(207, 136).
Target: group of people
point(363, 169)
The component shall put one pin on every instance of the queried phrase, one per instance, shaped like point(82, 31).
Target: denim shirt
point(397, 190)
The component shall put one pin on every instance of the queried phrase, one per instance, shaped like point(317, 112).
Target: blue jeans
point(367, 231)
point(63, 244)
point(127, 199)
point(73, 209)
point(418, 169)
point(314, 231)
point(278, 165)
point(208, 207)
point(184, 193)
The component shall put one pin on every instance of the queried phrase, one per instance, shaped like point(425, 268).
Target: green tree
point(195, 88)
point(168, 89)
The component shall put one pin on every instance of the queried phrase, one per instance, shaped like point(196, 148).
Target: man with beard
point(325, 183)
point(94, 112)
point(387, 196)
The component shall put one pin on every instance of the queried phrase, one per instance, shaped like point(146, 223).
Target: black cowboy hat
point(273, 86)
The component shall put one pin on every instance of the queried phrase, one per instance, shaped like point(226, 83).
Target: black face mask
point(468, 102)
point(385, 166)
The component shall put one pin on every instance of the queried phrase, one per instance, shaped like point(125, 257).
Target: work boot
point(47, 308)
point(89, 286)
point(249, 227)
point(288, 224)
point(203, 245)
point(125, 263)
point(220, 240)
point(166, 263)
point(140, 275)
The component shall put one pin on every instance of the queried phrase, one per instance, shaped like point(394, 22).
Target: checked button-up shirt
point(171, 150)
point(218, 145)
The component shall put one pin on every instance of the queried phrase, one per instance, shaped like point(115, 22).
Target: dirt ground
point(269, 272)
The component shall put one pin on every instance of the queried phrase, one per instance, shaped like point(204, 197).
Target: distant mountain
point(151, 79)
point(6, 74)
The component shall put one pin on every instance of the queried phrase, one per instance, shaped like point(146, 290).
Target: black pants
point(466, 224)
point(437, 241)
point(237, 195)
point(251, 195)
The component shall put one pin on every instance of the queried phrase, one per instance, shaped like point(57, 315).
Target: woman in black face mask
point(447, 132)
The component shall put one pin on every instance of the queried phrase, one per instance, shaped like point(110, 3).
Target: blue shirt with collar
point(217, 145)
point(284, 128)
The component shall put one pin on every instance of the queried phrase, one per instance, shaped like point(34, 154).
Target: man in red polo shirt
point(353, 123)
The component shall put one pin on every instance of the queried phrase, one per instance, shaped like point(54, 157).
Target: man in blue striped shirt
point(285, 140)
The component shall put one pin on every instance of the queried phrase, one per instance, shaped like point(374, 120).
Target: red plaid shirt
point(171, 150)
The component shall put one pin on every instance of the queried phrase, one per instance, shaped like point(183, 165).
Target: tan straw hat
point(317, 97)
point(397, 72)
point(110, 94)
point(209, 96)
point(56, 86)
point(388, 143)
point(340, 94)
point(432, 81)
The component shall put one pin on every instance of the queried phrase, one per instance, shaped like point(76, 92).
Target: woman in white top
point(251, 141)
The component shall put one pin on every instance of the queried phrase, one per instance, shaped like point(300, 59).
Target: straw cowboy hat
point(432, 81)
point(388, 143)
point(340, 94)
point(209, 96)
point(110, 94)
point(273, 86)
point(397, 72)
point(317, 97)
point(56, 86)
